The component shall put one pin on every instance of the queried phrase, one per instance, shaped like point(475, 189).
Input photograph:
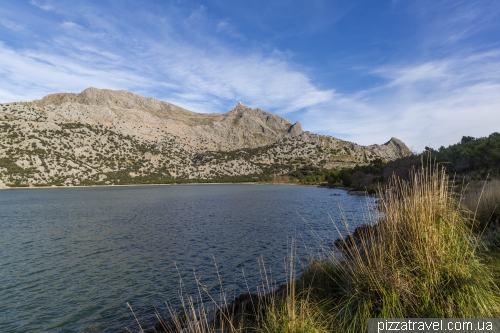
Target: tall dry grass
point(484, 200)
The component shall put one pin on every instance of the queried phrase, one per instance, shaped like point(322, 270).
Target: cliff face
point(105, 136)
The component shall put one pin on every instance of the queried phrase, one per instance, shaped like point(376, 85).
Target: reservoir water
point(72, 257)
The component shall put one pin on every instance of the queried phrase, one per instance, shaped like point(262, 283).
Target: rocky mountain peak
point(118, 98)
point(97, 104)
point(398, 145)
point(241, 109)
point(295, 129)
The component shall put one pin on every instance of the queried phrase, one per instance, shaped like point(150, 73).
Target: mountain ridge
point(114, 136)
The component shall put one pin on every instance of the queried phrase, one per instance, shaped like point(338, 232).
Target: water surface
point(71, 258)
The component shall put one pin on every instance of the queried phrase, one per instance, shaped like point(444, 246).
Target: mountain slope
point(116, 137)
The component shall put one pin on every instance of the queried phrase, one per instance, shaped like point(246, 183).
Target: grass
point(423, 260)
point(483, 199)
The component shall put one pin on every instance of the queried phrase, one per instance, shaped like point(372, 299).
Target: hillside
point(117, 137)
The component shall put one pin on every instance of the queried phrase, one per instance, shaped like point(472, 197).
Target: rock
point(391, 150)
point(295, 129)
point(398, 146)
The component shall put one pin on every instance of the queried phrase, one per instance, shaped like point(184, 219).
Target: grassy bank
point(423, 260)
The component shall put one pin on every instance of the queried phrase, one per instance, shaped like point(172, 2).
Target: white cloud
point(71, 25)
point(117, 56)
point(18, 27)
point(432, 103)
point(256, 80)
point(227, 27)
point(45, 5)
point(31, 75)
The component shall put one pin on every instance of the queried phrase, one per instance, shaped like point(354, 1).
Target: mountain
point(117, 137)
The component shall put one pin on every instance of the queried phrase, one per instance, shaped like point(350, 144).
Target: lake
point(72, 257)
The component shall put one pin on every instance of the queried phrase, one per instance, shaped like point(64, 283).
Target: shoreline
point(350, 190)
point(132, 185)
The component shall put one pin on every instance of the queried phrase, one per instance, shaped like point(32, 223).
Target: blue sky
point(426, 72)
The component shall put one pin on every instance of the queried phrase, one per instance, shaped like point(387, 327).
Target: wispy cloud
point(227, 27)
point(33, 74)
point(18, 27)
point(430, 103)
point(45, 5)
point(451, 89)
point(76, 57)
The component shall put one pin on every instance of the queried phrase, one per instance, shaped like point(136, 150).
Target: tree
point(466, 139)
point(345, 177)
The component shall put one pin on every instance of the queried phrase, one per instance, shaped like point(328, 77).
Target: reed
point(484, 200)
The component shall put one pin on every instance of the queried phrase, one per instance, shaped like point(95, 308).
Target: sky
point(424, 71)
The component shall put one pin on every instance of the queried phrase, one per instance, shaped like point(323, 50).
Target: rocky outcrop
point(391, 150)
point(110, 137)
point(295, 129)
point(113, 99)
point(398, 147)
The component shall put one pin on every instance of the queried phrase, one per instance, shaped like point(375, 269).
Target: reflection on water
point(71, 258)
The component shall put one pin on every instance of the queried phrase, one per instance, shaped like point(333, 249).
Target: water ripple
point(72, 258)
